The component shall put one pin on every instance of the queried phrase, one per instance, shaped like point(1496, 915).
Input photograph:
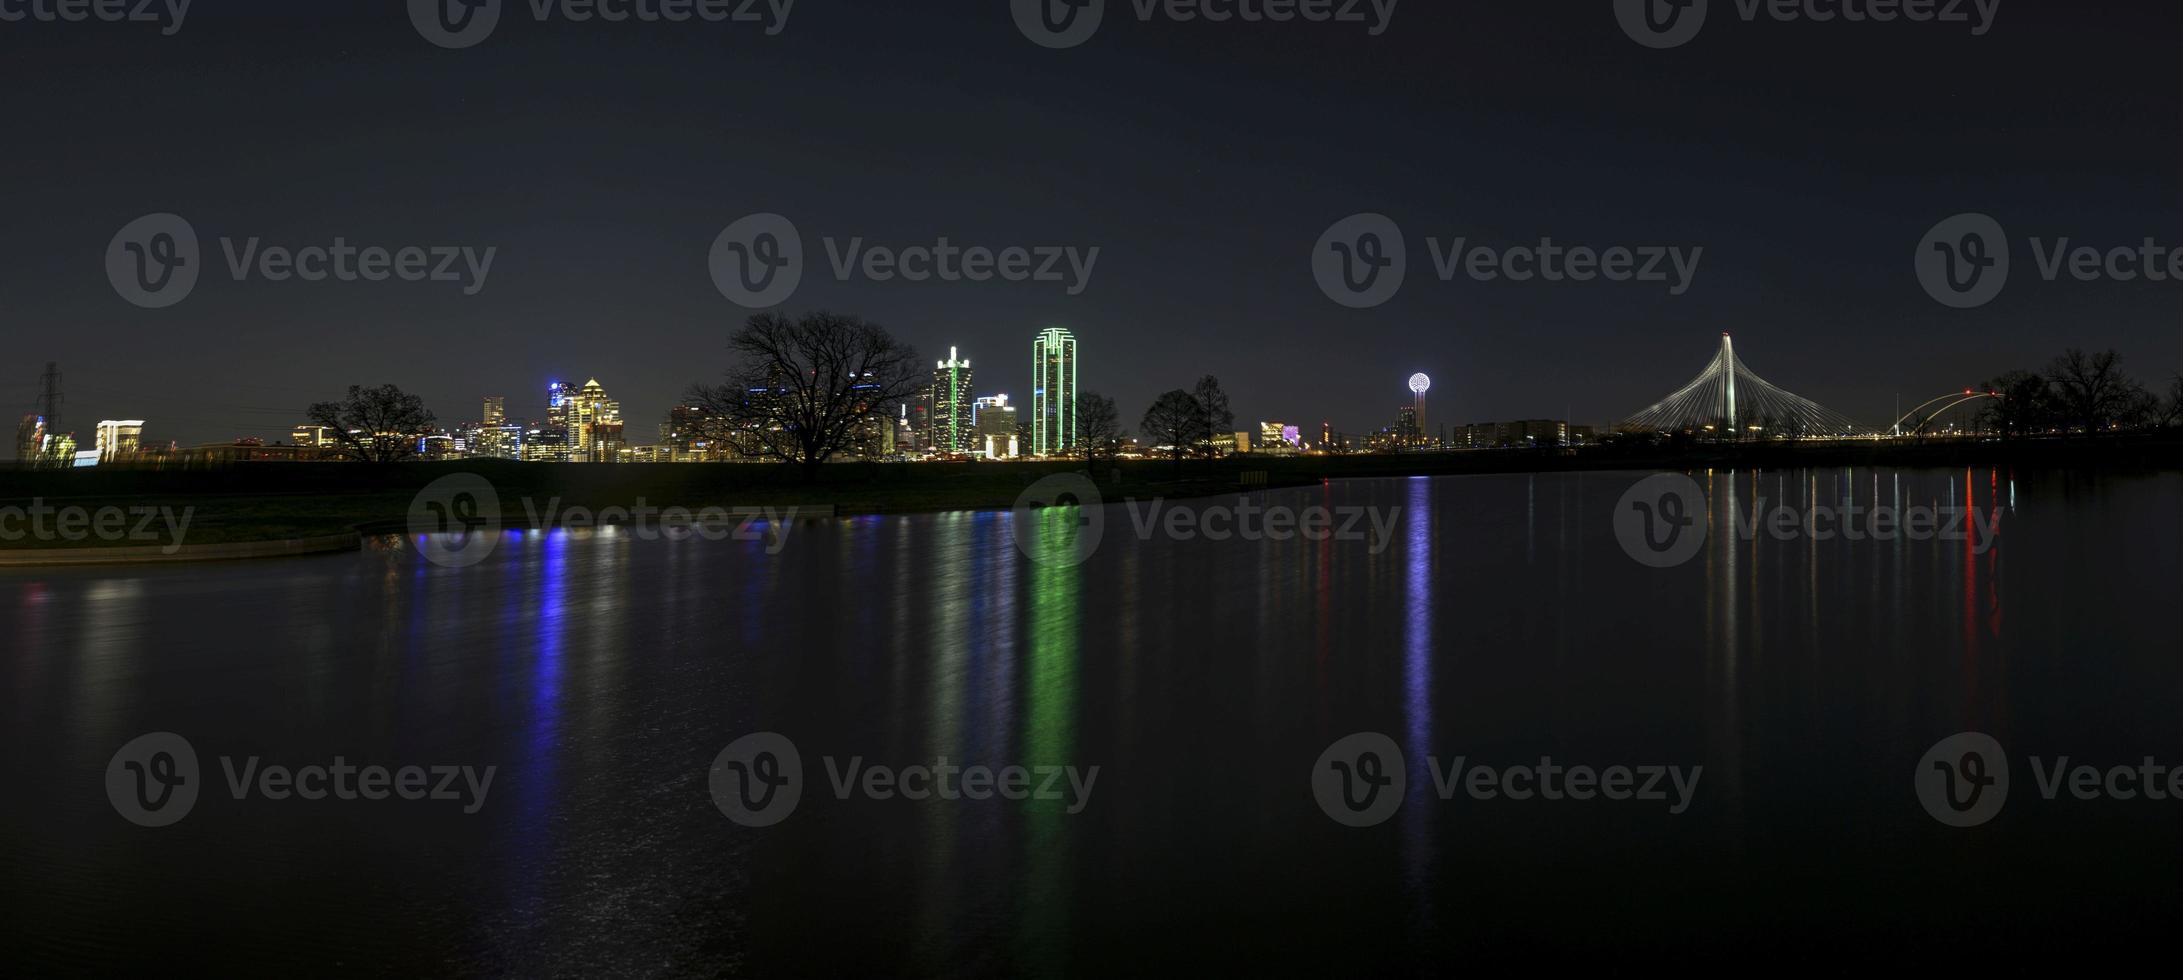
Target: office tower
point(1053, 392)
point(994, 421)
point(496, 410)
point(1407, 431)
point(594, 424)
point(951, 406)
point(119, 439)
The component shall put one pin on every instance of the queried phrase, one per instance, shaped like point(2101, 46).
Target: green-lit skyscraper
point(1053, 392)
point(952, 411)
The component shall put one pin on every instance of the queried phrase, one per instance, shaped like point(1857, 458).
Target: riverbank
point(257, 503)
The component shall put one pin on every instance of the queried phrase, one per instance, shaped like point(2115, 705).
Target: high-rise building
point(995, 427)
point(593, 422)
point(1053, 392)
point(952, 433)
point(119, 439)
point(1407, 430)
point(496, 410)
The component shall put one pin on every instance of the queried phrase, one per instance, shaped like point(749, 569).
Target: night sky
point(1204, 160)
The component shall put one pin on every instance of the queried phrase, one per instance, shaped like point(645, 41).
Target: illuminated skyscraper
point(952, 412)
point(496, 410)
point(996, 428)
point(118, 439)
point(594, 424)
point(1053, 392)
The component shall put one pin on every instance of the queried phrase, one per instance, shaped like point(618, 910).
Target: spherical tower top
point(1420, 383)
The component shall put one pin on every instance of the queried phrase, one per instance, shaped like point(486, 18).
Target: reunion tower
point(1419, 385)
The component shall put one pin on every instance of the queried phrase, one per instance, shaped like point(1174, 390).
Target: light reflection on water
point(600, 672)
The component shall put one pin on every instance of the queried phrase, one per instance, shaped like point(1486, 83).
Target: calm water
point(1501, 622)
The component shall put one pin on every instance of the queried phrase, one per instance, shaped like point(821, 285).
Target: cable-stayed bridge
point(1734, 402)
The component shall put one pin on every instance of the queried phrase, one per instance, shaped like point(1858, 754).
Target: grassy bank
point(267, 501)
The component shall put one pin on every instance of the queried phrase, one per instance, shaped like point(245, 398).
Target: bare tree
point(376, 425)
point(802, 389)
point(2026, 405)
point(1176, 420)
point(1098, 427)
point(1213, 404)
point(2171, 411)
point(2091, 388)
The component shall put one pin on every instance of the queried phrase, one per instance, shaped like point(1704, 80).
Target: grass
point(272, 501)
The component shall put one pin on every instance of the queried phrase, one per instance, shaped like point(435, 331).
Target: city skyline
point(1807, 260)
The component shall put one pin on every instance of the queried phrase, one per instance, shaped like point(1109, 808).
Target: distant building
point(594, 424)
point(951, 429)
point(496, 411)
point(1407, 427)
point(994, 424)
point(117, 440)
point(1053, 393)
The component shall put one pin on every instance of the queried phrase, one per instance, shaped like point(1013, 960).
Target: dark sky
point(1203, 159)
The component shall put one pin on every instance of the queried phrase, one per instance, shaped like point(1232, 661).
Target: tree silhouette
point(1099, 426)
point(1213, 405)
point(1175, 420)
point(376, 425)
point(802, 389)
point(2092, 390)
